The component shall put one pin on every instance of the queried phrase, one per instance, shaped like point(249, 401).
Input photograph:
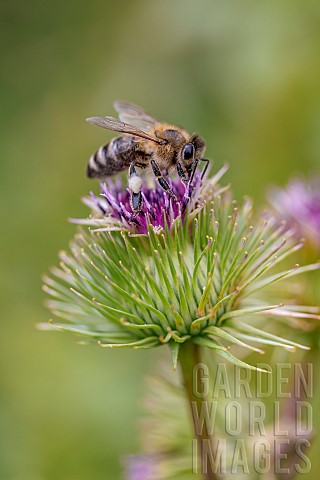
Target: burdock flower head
point(186, 270)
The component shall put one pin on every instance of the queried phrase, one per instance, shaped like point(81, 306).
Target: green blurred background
point(244, 74)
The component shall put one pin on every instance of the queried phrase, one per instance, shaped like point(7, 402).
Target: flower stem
point(189, 357)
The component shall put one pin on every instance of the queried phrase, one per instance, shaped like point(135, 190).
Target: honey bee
point(146, 146)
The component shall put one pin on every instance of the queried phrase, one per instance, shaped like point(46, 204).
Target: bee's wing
point(111, 123)
point(135, 115)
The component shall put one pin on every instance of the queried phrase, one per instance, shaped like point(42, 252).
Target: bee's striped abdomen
point(111, 158)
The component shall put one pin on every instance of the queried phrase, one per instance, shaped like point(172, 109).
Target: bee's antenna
point(206, 167)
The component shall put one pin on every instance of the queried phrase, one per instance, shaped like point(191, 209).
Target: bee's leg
point(181, 173)
point(206, 167)
point(161, 180)
point(135, 183)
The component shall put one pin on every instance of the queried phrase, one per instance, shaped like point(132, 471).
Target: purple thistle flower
point(112, 210)
point(299, 203)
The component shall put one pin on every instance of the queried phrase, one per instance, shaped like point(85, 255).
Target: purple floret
point(158, 208)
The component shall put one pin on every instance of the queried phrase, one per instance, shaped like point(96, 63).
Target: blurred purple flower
point(299, 203)
point(140, 467)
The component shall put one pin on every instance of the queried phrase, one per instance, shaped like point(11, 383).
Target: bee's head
point(191, 154)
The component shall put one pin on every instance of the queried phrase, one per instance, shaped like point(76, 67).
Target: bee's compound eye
point(188, 151)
